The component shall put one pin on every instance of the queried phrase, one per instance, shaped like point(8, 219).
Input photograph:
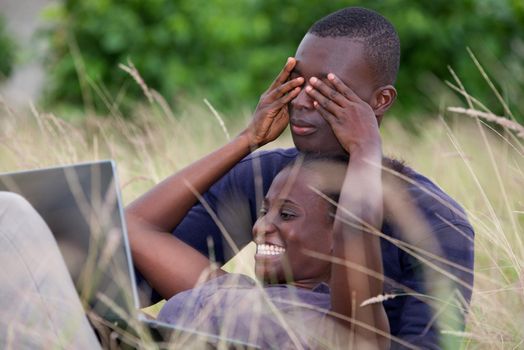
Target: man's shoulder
point(433, 200)
point(261, 165)
point(265, 162)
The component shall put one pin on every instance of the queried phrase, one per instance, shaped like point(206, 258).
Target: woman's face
point(293, 220)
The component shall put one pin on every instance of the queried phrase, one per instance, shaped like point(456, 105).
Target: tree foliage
point(229, 51)
point(7, 51)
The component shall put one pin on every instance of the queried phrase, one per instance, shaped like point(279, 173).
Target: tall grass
point(484, 171)
point(480, 165)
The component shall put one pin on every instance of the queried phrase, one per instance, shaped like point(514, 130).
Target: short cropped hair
point(332, 169)
point(380, 39)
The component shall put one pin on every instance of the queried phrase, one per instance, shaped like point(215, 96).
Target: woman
point(298, 243)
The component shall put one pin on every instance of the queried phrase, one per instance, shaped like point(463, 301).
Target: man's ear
point(384, 98)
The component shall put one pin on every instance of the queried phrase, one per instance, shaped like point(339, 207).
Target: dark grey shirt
point(234, 306)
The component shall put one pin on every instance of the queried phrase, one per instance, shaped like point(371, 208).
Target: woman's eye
point(262, 212)
point(286, 215)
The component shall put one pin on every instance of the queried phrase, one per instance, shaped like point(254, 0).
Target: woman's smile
point(269, 250)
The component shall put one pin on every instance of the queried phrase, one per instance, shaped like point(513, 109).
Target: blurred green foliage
point(228, 51)
point(7, 51)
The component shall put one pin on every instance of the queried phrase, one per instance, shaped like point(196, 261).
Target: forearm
point(167, 263)
point(359, 277)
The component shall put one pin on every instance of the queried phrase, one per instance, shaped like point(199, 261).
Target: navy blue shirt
point(427, 244)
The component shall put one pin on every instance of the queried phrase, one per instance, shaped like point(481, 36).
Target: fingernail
point(313, 80)
point(308, 88)
point(331, 76)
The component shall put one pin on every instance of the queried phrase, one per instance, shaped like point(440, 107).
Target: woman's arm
point(359, 277)
point(356, 273)
point(168, 264)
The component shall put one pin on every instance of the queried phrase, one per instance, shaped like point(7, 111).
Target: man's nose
point(303, 100)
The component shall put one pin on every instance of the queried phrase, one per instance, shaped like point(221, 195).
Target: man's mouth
point(302, 130)
point(269, 250)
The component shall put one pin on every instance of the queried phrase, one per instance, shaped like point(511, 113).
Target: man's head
point(362, 48)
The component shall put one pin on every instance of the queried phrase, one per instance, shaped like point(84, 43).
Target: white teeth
point(269, 249)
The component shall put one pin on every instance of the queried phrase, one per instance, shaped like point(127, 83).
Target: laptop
point(82, 206)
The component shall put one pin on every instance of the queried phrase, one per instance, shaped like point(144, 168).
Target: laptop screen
point(81, 206)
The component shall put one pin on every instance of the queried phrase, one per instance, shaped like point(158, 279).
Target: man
point(428, 237)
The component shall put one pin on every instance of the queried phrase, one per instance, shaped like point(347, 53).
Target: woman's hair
point(331, 171)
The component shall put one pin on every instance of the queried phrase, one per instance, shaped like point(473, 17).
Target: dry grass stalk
point(133, 72)
point(217, 116)
point(378, 299)
point(504, 122)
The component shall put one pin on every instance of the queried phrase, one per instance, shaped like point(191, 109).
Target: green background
point(229, 51)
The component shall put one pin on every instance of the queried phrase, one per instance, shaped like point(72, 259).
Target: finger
point(343, 88)
point(285, 88)
point(284, 73)
point(328, 116)
point(328, 91)
point(324, 101)
point(287, 98)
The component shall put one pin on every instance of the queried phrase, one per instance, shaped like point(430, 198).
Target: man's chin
point(329, 151)
point(318, 148)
